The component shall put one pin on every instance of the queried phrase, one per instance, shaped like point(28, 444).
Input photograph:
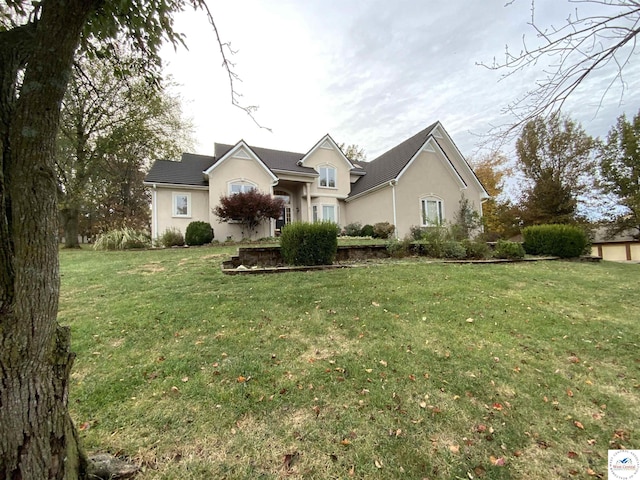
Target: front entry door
point(285, 217)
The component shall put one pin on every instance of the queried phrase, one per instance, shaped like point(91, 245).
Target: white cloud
point(370, 72)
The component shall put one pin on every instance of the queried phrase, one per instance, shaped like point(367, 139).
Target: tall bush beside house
point(564, 241)
point(198, 233)
point(309, 243)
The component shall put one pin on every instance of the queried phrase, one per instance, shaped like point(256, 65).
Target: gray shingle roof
point(186, 172)
point(389, 165)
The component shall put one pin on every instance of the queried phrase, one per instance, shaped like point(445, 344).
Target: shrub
point(453, 249)
point(198, 233)
point(309, 243)
point(431, 242)
point(353, 229)
point(509, 250)
point(172, 237)
point(122, 239)
point(367, 231)
point(383, 230)
point(250, 209)
point(564, 241)
point(476, 250)
point(416, 232)
point(399, 249)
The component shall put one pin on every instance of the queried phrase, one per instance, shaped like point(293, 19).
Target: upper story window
point(327, 177)
point(181, 204)
point(432, 209)
point(240, 187)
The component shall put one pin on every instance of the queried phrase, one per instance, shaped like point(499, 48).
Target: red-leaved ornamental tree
point(249, 209)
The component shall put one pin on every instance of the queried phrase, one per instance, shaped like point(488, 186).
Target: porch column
point(308, 188)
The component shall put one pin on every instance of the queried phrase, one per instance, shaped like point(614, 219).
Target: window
point(327, 177)
point(431, 212)
point(240, 187)
point(181, 204)
point(329, 213)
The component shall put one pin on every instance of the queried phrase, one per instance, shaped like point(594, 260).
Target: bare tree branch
point(225, 51)
point(578, 49)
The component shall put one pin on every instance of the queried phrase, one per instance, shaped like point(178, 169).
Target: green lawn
point(405, 369)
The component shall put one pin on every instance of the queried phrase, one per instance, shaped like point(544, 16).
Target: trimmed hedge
point(367, 231)
point(564, 241)
point(198, 233)
point(383, 230)
point(309, 243)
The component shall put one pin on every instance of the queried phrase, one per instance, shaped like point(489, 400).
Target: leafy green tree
point(38, 42)
point(555, 156)
point(620, 173)
point(110, 130)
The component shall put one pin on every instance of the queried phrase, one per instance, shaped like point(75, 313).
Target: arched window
point(432, 211)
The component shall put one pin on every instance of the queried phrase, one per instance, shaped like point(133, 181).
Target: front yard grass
point(407, 369)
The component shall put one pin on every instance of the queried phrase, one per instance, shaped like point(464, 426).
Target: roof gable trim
point(241, 150)
point(326, 143)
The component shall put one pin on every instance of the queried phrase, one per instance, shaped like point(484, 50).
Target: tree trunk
point(37, 439)
point(70, 224)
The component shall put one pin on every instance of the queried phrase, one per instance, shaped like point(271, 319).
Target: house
point(419, 182)
point(623, 247)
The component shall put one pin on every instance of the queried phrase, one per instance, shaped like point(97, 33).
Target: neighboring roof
point(600, 235)
point(389, 165)
point(186, 172)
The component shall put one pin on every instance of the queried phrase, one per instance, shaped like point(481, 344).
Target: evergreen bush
point(367, 231)
point(198, 233)
point(509, 250)
point(454, 250)
point(309, 243)
point(564, 241)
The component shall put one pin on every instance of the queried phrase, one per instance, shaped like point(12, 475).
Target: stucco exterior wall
point(372, 208)
point(244, 170)
point(617, 252)
point(330, 157)
point(164, 208)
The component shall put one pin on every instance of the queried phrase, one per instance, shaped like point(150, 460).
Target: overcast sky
point(370, 72)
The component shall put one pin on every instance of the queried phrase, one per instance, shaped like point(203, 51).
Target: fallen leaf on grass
point(591, 472)
point(497, 406)
point(288, 459)
point(345, 441)
point(578, 424)
point(569, 392)
point(498, 462)
point(242, 379)
point(375, 304)
point(378, 463)
point(185, 379)
point(383, 363)
point(572, 454)
point(454, 448)
point(84, 426)
point(480, 471)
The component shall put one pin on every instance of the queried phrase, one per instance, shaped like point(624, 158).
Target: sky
point(373, 72)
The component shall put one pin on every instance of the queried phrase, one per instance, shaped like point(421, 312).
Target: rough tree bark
point(38, 440)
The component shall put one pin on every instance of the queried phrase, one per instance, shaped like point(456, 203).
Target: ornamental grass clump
point(309, 243)
point(122, 239)
point(564, 241)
